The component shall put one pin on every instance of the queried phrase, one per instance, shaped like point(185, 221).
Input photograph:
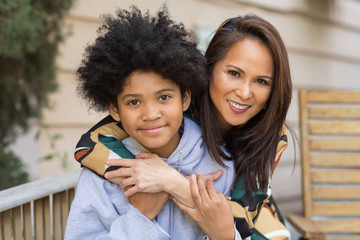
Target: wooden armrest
point(306, 227)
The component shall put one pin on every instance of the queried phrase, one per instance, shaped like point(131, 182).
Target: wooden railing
point(39, 209)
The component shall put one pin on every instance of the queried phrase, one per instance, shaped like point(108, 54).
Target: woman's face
point(241, 83)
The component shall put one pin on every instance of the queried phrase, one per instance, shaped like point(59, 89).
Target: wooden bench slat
point(335, 176)
point(339, 225)
point(331, 112)
point(342, 237)
point(333, 96)
point(16, 223)
point(57, 216)
point(27, 221)
point(39, 219)
point(335, 160)
point(344, 127)
point(336, 208)
point(6, 224)
point(335, 192)
point(64, 208)
point(335, 144)
point(47, 219)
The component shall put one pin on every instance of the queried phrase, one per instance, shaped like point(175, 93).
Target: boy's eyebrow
point(134, 95)
point(165, 90)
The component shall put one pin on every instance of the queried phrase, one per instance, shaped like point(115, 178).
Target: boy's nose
point(151, 113)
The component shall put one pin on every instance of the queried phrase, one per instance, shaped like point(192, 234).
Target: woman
point(246, 102)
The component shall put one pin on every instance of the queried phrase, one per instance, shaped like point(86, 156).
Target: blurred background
point(322, 38)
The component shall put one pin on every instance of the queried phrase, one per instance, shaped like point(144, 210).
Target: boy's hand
point(149, 204)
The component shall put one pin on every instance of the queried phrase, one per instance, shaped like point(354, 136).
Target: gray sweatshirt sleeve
point(94, 216)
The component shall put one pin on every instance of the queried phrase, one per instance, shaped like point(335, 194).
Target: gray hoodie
point(100, 211)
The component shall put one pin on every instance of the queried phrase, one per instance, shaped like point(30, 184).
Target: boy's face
point(150, 109)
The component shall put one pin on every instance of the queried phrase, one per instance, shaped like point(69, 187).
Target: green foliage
point(11, 170)
point(30, 32)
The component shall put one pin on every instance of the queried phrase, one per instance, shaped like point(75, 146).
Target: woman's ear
point(114, 112)
point(186, 100)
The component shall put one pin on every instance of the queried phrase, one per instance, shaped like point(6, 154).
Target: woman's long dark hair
point(252, 145)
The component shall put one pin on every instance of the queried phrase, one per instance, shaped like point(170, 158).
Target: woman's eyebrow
point(239, 69)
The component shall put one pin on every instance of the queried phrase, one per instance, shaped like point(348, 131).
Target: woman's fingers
point(120, 162)
point(213, 194)
point(195, 190)
point(184, 208)
point(121, 172)
point(202, 189)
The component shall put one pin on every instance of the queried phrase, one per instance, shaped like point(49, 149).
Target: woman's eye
point(164, 97)
point(234, 73)
point(133, 102)
point(262, 81)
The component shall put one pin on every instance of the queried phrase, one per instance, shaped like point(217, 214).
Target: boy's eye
point(133, 102)
point(164, 97)
point(234, 73)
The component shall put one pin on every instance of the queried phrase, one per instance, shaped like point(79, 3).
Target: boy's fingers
point(131, 191)
point(144, 155)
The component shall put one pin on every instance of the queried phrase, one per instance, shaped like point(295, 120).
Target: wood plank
point(39, 219)
point(16, 223)
point(71, 196)
point(335, 144)
point(6, 224)
point(306, 227)
point(331, 112)
point(333, 96)
point(305, 148)
point(336, 192)
point(342, 237)
point(335, 176)
point(335, 160)
point(64, 210)
point(334, 127)
point(57, 217)
point(339, 225)
point(27, 221)
point(336, 208)
point(47, 218)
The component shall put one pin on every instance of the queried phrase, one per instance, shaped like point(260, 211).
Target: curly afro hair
point(133, 41)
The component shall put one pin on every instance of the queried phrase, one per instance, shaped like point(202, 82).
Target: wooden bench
point(39, 209)
point(330, 155)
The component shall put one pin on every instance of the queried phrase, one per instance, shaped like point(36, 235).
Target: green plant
point(30, 32)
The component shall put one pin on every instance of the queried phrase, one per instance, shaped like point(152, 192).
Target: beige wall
point(322, 38)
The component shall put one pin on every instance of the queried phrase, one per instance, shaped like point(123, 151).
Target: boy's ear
point(186, 100)
point(114, 112)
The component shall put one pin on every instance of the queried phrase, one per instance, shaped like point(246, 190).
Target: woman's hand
point(212, 211)
point(147, 173)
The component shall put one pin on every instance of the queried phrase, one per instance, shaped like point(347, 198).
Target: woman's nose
point(244, 91)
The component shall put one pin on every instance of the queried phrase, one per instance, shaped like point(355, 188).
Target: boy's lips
point(152, 129)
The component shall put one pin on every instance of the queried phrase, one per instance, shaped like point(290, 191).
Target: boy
point(142, 70)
